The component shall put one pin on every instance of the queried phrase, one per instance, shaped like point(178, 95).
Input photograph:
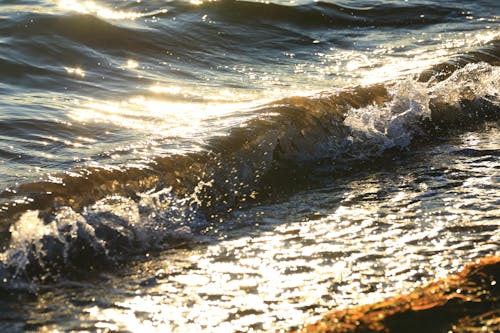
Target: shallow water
point(238, 166)
point(350, 240)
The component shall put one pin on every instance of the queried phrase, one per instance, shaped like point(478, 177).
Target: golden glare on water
point(375, 229)
point(417, 60)
point(90, 7)
point(175, 116)
point(200, 2)
point(287, 276)
point(75, 71)
point(132, 64)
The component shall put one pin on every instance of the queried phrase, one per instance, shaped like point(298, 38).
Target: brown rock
point(465, 302)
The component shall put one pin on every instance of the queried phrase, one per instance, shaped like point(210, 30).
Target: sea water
point(225, 166)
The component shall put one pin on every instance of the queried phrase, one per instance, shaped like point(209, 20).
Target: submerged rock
point(468, 301)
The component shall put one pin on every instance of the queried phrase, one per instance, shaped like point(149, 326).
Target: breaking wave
point(90, 216)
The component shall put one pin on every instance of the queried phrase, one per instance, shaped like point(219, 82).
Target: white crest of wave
point(472, 81)
point(113, 226)
point(375, 129)
point(26, 234)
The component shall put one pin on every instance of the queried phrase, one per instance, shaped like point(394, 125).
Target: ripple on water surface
point(353, 240)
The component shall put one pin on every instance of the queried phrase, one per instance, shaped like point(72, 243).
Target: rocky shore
point(468, 301)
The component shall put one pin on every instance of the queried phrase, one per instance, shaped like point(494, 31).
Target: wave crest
point(107, 214)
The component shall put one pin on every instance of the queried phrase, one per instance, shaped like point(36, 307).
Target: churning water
point(228, 166)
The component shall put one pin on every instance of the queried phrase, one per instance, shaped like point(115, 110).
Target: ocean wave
point(106, 213)
point(489, 53)
point(325, 14)
point(85, 37)
point(88, 27)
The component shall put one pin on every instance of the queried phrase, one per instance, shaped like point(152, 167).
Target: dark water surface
point(235, 166)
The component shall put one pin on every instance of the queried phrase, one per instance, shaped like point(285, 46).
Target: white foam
point(102, 228)
point(472, 81)
point(375, 129)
